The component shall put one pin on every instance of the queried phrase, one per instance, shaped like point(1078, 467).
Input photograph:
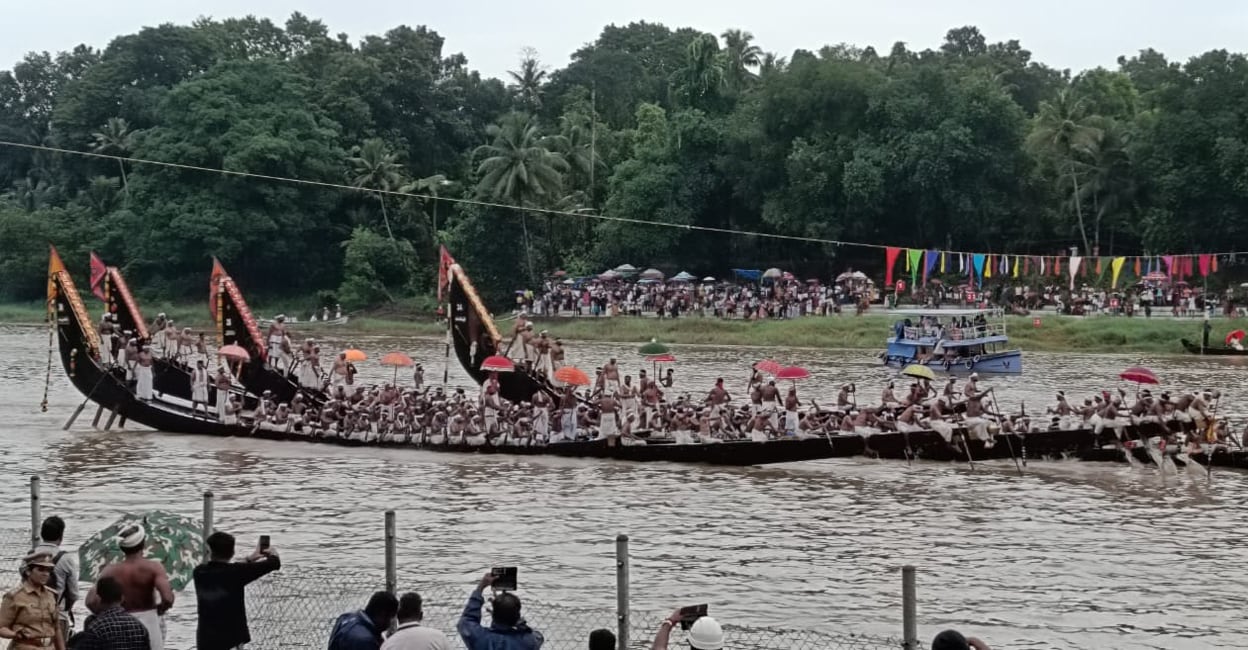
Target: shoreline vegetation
point(1157, 335)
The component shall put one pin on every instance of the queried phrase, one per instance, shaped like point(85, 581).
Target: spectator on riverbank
point(705, 633)
point(219, 592)
point(28, 612)
point(601, 640)
point(142, 582)
point(507, 631)
point(64, 578)
point(411, 635)
point(362, 630)
point(112, 628)
point(953, 640)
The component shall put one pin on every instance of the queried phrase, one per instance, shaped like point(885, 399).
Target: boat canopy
point(941, 312)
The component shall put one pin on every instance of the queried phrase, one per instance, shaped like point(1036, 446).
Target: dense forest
point(972, 146)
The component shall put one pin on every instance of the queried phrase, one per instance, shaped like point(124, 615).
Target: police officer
point(28, 613)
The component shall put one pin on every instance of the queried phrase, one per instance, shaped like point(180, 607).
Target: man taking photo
point(219, 587)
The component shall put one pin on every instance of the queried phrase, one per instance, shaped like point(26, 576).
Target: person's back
point(112, 628)
point(411, 635)
point(507, 631)
point(141, 581)
point(219, 593)
point(137, 576)
point(362, 630)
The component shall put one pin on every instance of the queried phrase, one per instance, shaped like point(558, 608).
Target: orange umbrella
point(572, 375)
point(397, 359)
point(235, 352)
point(355, 355)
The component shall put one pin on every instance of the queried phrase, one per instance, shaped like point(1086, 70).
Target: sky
point(1061, 33)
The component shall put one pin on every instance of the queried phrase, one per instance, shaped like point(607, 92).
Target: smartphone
point(504, 578)
point(264, 543)
point(690, 614)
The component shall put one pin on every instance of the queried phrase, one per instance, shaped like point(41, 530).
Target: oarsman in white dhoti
point(338, 372)
point(223, 383)
point(541, 415)
point(277, 335)
point(557, 353)
point(975, 422)
point(718, 400)
point(528, 352)
point(771, 404)
point(567, 409)
point(541, 346)
point(515, 349)
point(143, 375)
point(199, 387)
point(611, 377)
point(909, 420)
point(791, 404)
point(628, 398)
point(608, 425)
point(1066, 418)
point(650, 397)
point(172, 341)
point(418, 378)
point(490, 405)
point(1198, 410)
point(887, 398)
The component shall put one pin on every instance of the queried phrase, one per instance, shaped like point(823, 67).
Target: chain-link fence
point(290, 609)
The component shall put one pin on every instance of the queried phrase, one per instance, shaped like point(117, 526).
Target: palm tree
point(429, 186)
point(1062, 131)
point(577, 146)
point(1110, 180)
point(703, 73)
point(741, 56)
point(771, 64)
point(528, 79)
point(520, 167)
point(374, 166)
point(115, 139)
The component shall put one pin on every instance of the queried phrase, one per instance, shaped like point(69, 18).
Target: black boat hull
point(1222, 351)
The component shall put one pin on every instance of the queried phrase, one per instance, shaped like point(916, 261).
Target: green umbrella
point(653, 348)
point(173, 540)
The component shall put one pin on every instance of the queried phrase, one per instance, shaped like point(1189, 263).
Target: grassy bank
point(1055, 334)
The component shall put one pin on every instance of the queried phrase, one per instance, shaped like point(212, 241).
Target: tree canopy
point(972, 145)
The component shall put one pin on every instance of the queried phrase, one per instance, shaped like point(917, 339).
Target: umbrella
point(234, 352)
point(498, 363)
point(652, 274)
point(572, 375)
point(1139, 375)
point(858, 275)
point(354, 355)
point(626, 268)
point(848, 275)
point(666, 357)
point(710, 279)
point(768, 366)
point(652, 348)
point(793, 373)
point(569, 281)
point(786, 275)
point(398, 360)
point(609, 275)
point(919, 372)
point(173, 540)
point(773, 273)
point(559, 274)
point(1237, 335)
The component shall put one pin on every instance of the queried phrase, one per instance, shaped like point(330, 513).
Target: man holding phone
point(219, 585)
point(704, 632)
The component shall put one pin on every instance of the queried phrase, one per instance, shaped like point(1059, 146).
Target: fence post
point(909, 615)
point(392, 571)
point(209, 518)
point(621, 592)
point(36, 518)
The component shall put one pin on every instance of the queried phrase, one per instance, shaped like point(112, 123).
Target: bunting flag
point(1005, 263)
point(890, 260)
point(1204, 265)
point(98, 271)
point(961, 263)
point(931, 258)
point(218, 272)
point(1189, 266)
point(987, 268)
point(977, 267)
point(445, 261)
point(1057, 266)
point(1016, 266)
point(1099, 272)
point(912, 264)
point(942, 262)
point(1169, 260)
point(1074, 268)
point(1041, 266)
point(1213, 263)
point(1116, 267)
point(1137, 268)
point(1027, 265)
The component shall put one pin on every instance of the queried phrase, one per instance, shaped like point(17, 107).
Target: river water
point(1069, 555)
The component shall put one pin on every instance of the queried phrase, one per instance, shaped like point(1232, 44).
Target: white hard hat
point(706, 634)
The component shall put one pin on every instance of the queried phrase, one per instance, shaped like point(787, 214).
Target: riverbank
point(1055, 333)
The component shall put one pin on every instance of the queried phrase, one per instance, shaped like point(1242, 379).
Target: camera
point(504, 578)
point(690, 614)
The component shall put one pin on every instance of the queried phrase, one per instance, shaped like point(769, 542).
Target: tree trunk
point(1083, 231)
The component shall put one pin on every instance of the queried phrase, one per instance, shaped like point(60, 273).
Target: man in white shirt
point(411, 635)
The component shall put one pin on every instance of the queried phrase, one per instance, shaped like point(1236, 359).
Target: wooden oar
point(1000, 421)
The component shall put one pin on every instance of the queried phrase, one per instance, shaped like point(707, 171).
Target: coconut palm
point(429, 186)
point(520, 167)
point(115, 139)
point(703, 73)
point(528, 79)
point(1110, 177)
point(374, 166)
point(770, 64)
point(741, 56)
point(576, 143)
point(1063, 133)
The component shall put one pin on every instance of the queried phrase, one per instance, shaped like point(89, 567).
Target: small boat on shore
point(953, 346)
point(1216, 351)
point(341, 320)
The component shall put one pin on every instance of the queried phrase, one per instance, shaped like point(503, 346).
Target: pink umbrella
point(768, 366)
point(498, 363)
point(793, 373)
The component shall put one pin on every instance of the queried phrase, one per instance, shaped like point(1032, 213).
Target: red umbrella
point(793, 373)
point(768, 366)
point(235, 352)
point(498, 363)
point(662, 358)
point(1139, 375)
point(1237, 335)
point(571, 375)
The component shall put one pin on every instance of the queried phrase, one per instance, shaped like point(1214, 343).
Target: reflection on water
point(1069, 555)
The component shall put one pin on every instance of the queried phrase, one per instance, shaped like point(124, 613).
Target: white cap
point(706, 634)
point(131, 536)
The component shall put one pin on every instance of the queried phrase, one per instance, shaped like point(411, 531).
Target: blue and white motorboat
point(952, 340)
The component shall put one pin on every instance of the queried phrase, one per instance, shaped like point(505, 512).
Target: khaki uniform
point(30, 611)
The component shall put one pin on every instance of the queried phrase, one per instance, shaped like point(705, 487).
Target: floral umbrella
point(173, 540)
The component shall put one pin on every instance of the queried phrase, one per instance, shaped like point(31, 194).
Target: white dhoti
point(199, 393)
point(223, 403)
point(866, 431)
point(977, 426)
point(475, 441)
point(608, 426)
point(308, 377)
point(1196, 416)
point(569, 425)
point(908, 427)
point(758, 436)
point(491, 419)
point(151, 622)
point(772, 415)
point(629, 405)
point(790, 421)
point(545, 365)
point(541, 422)
point(610, 386)
point(684, 437)
point(943, 428)
point(143, 382)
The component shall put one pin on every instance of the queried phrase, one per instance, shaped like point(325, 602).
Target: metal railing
point(296, 608)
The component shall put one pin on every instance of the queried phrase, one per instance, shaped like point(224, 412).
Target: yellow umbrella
point(919, 372)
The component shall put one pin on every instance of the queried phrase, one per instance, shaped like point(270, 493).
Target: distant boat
point(1220, 350)
point(341, 320)
point(976, 348)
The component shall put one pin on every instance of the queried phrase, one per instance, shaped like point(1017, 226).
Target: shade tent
point(626, 269)
point(652, 274)
point(773, 273)
point(684, 276)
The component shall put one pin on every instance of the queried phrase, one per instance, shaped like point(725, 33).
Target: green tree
point(742, 56)
point(527, 82)
point(1062, 134)
point(373, 166)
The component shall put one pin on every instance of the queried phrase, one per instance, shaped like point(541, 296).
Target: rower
point(143, 375)
point(199, 387)
point(338, 372)
point(971, 390)
point(771, 404)
point(418, 377)
point(908, 421)
point(541, 414)
point(608, 424)
point(650, 398)
point(887, 397)
point(567, 405)
point(556, 354)
point(611, 377)
point(628, 397)
point(718, 398)
point(222, 384)
point(529, 351)
point(791, 404)
point(517, 334)
point(541, 347)
point(974, 420)
point(277, 335)
point(669, 378)
point(490, 406)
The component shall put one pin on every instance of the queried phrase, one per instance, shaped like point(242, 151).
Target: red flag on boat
point(98, 271)
point(217, 272)
point(444, 268)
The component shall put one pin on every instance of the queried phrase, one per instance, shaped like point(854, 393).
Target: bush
point(375, 269)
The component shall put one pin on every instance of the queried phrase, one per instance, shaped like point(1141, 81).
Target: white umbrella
point(773, 273)
point(708, 279)
point(626, 268)
point(652, 274)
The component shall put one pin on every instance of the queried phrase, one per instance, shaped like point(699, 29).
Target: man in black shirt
point(219, 587)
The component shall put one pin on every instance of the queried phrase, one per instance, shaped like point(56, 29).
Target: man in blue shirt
point(362, 630)
point(507, 631)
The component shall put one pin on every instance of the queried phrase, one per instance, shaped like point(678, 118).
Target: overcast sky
point(1061, 33)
